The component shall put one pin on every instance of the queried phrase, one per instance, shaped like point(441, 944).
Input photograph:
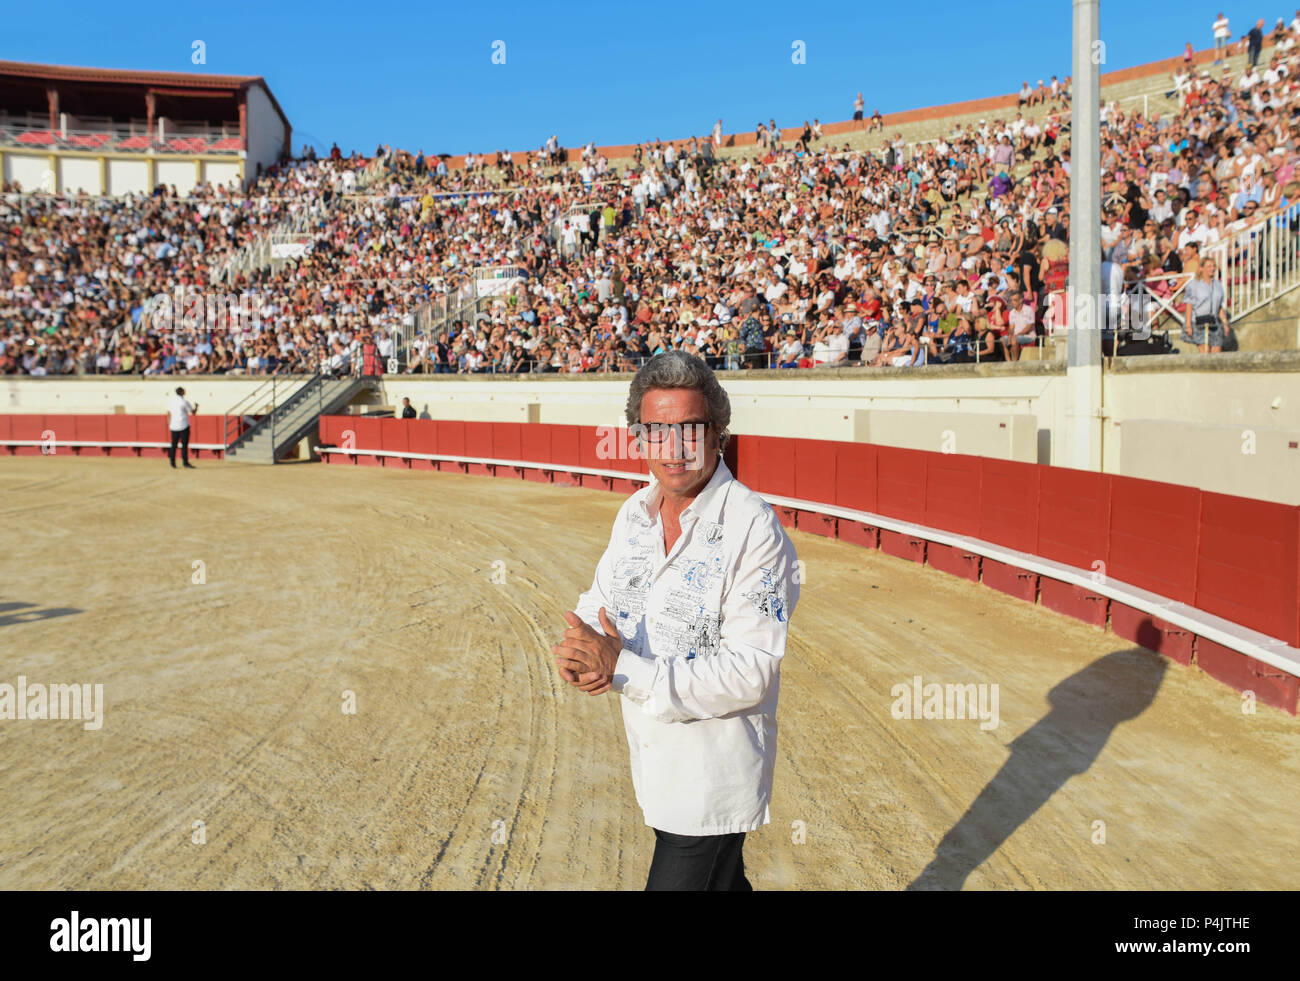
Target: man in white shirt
point(1221, 35)
point(687, 618)
point(178, 412)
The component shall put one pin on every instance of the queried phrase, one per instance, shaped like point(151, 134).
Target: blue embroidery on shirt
point(769, 598)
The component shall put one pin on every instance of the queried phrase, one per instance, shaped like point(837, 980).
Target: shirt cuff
point(633, 676)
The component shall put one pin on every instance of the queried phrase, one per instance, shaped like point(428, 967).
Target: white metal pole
point(1082, 448)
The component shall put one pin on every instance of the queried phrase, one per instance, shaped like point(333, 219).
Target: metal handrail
point(1259, 263)
point(237, 410)
point(298, 393)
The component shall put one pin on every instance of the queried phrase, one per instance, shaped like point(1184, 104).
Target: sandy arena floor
point(470, 765)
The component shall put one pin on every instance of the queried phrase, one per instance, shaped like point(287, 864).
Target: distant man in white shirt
point(687, 618)
point(179, 411)
point(1221, 35)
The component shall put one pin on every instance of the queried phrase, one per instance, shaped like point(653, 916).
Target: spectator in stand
point(1255, 42)
point(1221, 35)
point(1204, 307)
point(858, 106)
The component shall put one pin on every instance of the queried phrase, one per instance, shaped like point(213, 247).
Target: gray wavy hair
point(678, 369)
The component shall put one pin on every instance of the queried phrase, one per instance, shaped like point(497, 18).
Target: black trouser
point(711, 863)
point(181, 436)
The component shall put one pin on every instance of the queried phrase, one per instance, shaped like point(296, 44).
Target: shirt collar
point(707, 504)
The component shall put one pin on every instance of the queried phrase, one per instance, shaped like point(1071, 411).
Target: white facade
point(182, 174)
point(79, 174)
point(127, 176)
point(266, 131)
point(27, 169)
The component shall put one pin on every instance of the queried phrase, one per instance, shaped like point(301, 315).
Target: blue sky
point(420, 75)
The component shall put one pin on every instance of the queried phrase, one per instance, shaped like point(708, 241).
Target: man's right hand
point(591, 682)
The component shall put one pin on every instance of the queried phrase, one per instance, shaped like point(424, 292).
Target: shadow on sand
point(1086, 709)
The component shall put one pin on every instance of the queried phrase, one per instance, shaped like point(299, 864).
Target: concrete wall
point(180, 174)
point(221, 173)
point(265, 131)
point(1229, 423)
point(132, 395)
point(26, 168)
point(1002, 436)
point(80, 174)
point(128, 176)
point(1232, 431)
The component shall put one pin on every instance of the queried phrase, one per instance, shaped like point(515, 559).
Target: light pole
point(1083, 363)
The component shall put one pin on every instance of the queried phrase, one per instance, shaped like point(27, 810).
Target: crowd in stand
point(803, 254)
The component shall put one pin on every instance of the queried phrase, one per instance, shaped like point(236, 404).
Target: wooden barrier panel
point(1151, 632)
point(121, 429)
point(815, 523)
point(422, 435)
point(814, 472)
point(565, 445)
point(394, 436)
point(745, 452)
point(369, 436)
point(1073, 517)
point(1009, 504)
point(478, 442)
point(857, 533)
point(954, 561)
point(855, 477)
point(1153, 528)
point(776, 467)
point(91, 427)
point(1248, 564)
point(507, 441)
point(952, 493)
point(1010, 580)
point(900, 484)
point(535, 443)
point(27, 427)
point(451, 437)
point(153, 429)
point(902, 545)
point(205, 429)
point(1074, 601)
point(1270, 686)
point(590, 450)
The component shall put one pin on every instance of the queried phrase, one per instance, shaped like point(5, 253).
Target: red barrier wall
point(1073, 515)
point(1228, 556)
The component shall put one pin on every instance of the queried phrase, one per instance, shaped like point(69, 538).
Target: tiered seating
point(38, 137)
point(227, 144)
point(90, 141)
point(187, 144)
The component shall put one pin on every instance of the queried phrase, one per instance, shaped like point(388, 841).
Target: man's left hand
point(582, 651)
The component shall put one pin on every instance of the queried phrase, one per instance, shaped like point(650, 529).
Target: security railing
point(1259, 263)
point(165, 137)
